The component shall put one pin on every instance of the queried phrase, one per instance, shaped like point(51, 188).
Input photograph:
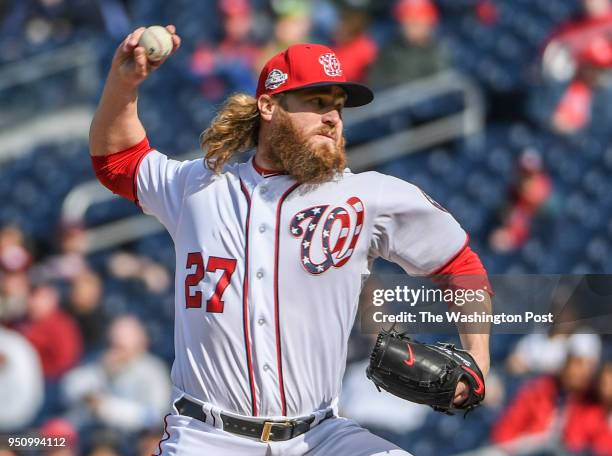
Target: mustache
point(307, 164)
point(326, 132)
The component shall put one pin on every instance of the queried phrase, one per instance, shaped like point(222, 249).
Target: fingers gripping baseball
point(131, 61)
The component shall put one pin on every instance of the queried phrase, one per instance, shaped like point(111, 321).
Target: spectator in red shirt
point(355, 49)
point(577, 34)
point(530, 190)
point(592, 430)
point(52, 332)
point(230, 65)
point(538, 414)
point(578, 53)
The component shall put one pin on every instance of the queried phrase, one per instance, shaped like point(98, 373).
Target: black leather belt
point(274, 431)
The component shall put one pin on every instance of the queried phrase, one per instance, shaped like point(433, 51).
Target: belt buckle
point(267, 428)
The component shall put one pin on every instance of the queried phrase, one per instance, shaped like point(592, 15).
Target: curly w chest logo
point(328, 238)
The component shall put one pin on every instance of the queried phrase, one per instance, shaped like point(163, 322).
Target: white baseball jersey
point(268, 274)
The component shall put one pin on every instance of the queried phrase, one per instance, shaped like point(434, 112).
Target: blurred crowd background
point(499, 109)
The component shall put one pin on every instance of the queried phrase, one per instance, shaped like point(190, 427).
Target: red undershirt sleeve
point(119, 171)
point(464, 270)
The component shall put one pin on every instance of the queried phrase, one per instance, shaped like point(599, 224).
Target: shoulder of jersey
point(350, 174)
point(363, 177)
point(228, 170)
point(382, 177)
point(196, 175)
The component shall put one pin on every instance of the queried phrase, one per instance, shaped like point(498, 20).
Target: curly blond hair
point(234, 129)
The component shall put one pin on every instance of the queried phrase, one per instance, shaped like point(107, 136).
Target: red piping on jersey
point(245, 303)
point(165, 432)
point(279, 360)
point(266, 172)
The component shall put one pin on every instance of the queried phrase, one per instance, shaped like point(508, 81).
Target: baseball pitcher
point(270, 256)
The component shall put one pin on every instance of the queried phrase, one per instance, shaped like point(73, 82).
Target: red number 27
point(214, 304)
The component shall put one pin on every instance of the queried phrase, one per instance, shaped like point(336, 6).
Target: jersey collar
point(263, 172)
point(253, 177)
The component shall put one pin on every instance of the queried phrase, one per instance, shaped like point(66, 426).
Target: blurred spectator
point(231, 64)
point(54, 333)
point(538, 353)
point(125, 265)
point(55, 20)
point(542, 353)
point(579, 53)
point(414, 52)
point(58, 428)
point(292, 26)
point(106, 442)
point(7, 452)
point(105, 450)
point(574, 109)
point(127, 389)
point(580, 40)
point(530, 190)
point(14, 292)
point(238, 43)
point(21, 382)
point(591, 431)
point(70, 261)
point(539, 412)
point(15, 260)
point(148, 441)
point(487, 12)
point(353, 46)
point(84, 305)
point(14, 255)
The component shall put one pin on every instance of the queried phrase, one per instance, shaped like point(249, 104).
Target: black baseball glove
point(424, 373)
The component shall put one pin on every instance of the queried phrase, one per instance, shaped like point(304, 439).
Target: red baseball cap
point(416, 10)
point(235, 7)
point(304, 66)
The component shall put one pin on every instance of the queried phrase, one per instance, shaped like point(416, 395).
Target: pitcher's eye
point(318, 102)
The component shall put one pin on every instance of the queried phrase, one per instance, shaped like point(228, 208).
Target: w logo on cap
point(331, 64)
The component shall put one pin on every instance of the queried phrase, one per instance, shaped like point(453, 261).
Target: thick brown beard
point(290, 151)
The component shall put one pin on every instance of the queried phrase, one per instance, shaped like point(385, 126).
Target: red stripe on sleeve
point(119, 171)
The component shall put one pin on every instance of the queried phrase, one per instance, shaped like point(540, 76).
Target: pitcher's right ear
point(266, 105)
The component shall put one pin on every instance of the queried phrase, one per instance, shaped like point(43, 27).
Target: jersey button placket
point(261, 297)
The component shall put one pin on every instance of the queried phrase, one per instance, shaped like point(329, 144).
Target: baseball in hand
point(157, 42)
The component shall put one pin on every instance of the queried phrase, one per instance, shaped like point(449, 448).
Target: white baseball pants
point(185, 436)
